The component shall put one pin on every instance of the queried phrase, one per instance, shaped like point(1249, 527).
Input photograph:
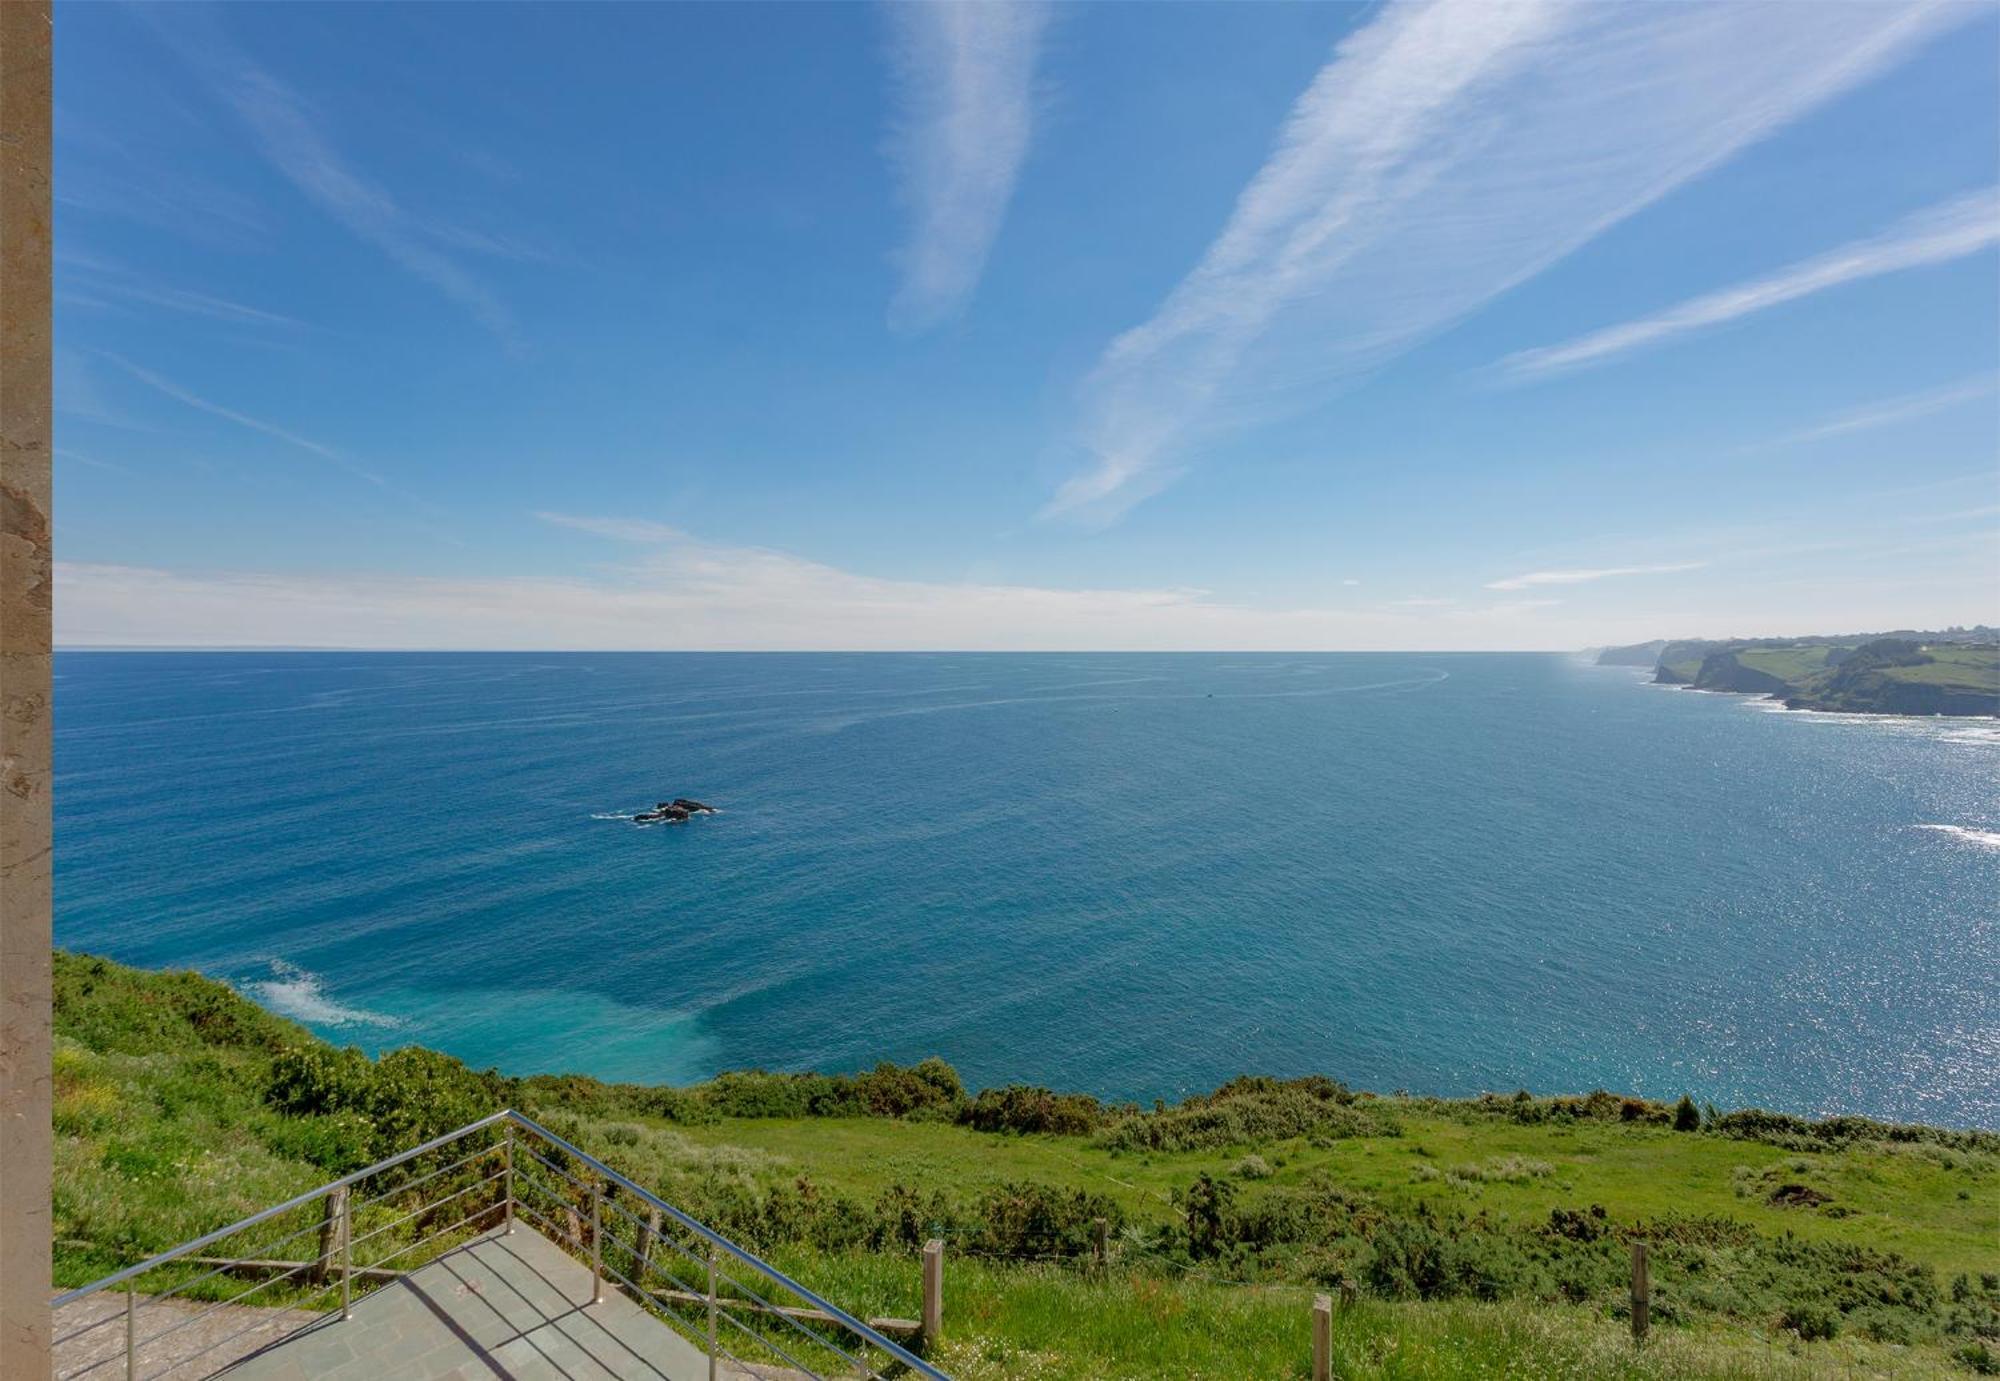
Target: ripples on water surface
point(1132, 874)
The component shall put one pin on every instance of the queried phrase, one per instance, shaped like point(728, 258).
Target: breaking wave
point(1983, 839)
point(299, 993)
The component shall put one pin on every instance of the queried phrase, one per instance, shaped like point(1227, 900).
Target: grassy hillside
point(1903, 673)
point(1482, 1237)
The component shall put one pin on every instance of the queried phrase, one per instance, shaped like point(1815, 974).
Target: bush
point(1812, 1322)
point(928, 1089)
point(1251, 1167)
point(1030, 1222)
point(1028, 1109)
point(1253, 1111)
point(407, 1097)
point(1687, 1117)
point(1205, 1206)
point(1979, 1359)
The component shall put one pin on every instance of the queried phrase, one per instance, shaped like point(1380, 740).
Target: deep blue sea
point(1136, 875)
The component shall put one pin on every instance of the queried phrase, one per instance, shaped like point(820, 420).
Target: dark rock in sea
point(674, 812)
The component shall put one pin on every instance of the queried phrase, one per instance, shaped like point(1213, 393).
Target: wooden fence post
point(329, 1234)
point(1642, 1295)
point(646, 1242)
point(1322, 1338)
point(933, 1319)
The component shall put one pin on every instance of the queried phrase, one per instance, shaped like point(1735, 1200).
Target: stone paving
point(178, 1339)
point(501, 1306)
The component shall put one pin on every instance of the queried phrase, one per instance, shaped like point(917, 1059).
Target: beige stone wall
point(24, 688)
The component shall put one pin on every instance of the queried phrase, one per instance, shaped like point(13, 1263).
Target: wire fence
point(305, 1264)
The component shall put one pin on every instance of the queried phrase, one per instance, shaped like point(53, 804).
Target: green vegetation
point(1480, 1237)
point(1956, 672)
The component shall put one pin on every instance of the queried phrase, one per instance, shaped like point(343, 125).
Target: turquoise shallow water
point(1132, 874)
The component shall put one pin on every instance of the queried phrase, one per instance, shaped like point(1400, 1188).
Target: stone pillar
point(25, 1085)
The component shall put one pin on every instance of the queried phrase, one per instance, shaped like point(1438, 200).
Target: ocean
point(1135, 875)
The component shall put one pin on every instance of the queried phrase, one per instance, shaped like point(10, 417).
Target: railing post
point(713, 1371)
point(131, 1334)
point(507, 1156)
point(346, 1254)
point(933, 1319)
point(597, 1243)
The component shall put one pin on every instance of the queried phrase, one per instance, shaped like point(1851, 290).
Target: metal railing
point(439, 1197)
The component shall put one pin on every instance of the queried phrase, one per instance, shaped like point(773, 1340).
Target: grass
point(1935, 1206)
point(181, 1106)
point(1955, 666)
point(1793, 664)
point(1037, 1322)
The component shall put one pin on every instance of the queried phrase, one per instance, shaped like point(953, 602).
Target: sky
point(1426, 324)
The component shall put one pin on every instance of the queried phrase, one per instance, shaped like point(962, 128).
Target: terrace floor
point(500, 1306)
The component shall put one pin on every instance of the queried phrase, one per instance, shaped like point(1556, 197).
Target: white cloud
point(1937, 235)
point(115, 281)
point(680, 592)
point(75, 391)
point(966, 69)
point(292, 141)
point(1890, 411)
point(407, 505)
point(296, 147)
point(618, 529)
point(1581, 577)
point(1450, 150)
point(167, 386)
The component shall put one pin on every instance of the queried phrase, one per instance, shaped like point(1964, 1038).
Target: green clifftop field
point(1951, 673)
point(1482, 1237)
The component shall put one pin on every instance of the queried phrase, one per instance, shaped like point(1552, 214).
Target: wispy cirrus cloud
point(1886, 413)
point(966, 69)
point(332, 455)
point(290, 137)
point(109, 279)
point(1937, 235)
point(1536, 579)
point(293, 143)
point(1433, 164)
point(617, 529)
point(159, 383)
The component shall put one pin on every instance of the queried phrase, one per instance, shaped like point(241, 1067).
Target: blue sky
point(1434, 325)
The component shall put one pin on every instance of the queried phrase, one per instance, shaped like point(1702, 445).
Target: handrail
point(716, 1239)
point(834, 1314)
point(153, 1263)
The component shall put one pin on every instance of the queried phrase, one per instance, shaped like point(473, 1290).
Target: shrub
point(406, 1097)
point(1252, 1111)
point(1812, 1322)
point(1204, 1207)
point(1687, 1117)
point(930, 1088)
point(1029, 1109)
point(1027, 1222)
point(1251, 1167)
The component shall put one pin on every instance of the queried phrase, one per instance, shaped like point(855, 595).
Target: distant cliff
point(1956, 672)
point(1637, 655)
